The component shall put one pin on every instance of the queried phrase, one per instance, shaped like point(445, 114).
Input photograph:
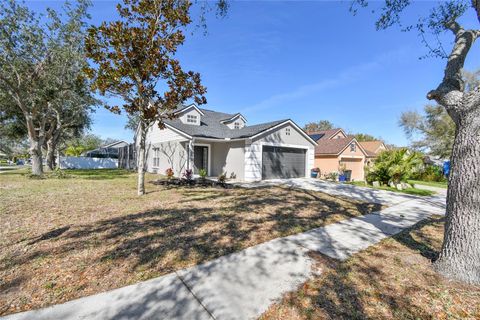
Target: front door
point(200, 158)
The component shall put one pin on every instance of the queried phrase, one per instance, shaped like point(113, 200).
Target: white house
point(224, 143)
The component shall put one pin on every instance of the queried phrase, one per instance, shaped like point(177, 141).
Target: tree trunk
point(460, 255)
point(141, 159)
point(37, 159)
point(51, 147)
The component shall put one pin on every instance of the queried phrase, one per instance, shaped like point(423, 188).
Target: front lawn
point(391, 280)
point(66, 238)
point(443, 185)
point(412, 191)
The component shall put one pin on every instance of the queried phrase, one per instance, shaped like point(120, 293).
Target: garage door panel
point(282, 162)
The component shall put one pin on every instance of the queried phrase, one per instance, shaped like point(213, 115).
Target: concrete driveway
point(337, 189)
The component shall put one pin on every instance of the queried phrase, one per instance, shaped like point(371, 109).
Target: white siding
point(279, 137)
point(157, 135)
point(253, 161)
point(172, 149)
point(192, 112)
point(238, 120)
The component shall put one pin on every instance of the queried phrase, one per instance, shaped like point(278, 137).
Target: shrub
point(395, 165)
point(331, 176)
point(430, 173)
point(58, 174)
point(169, 172)
point(188, 174)
point(222, 178)
point(202, 173)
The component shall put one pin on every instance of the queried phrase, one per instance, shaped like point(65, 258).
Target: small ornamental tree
point(134, 58)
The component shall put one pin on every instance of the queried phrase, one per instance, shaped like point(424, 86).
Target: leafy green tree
point(85, 142)
point(435, 130)
point(40, 59)
point(364, 137)
point(320, 125)
point(472, 79)
point(460, 254)
point(395, 166)
point(75, 151)
point(134, 58)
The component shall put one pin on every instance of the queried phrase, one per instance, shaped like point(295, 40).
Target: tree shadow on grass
point(370, 284)
point(207, 224)
point(423, 245)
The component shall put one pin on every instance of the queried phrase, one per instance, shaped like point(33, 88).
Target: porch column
point(190, 155)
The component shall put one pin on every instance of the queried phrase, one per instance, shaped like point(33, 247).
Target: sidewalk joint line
point(195, 296)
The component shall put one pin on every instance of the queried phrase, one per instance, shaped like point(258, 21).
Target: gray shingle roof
point(211, 126)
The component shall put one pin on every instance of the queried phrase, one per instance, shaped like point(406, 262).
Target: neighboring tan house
point(335, 149)
point(373, 148)
point(224, 143)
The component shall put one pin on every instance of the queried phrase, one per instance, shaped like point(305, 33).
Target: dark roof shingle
point(211, 126)
point(322, 134)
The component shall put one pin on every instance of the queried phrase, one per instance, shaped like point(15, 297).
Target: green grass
point(87, 174)
point(443, 185)
point(412, 191)
point(98, 174)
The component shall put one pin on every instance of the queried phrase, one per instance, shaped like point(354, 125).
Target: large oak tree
point(41, 61)
point(460, 254)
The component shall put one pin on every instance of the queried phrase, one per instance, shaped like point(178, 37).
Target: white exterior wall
point(183, 116)
point(228, 157)
point(173, 150)
point(277, 137)
point(238, 119)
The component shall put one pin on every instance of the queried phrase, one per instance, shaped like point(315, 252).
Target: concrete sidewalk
point(242, 285)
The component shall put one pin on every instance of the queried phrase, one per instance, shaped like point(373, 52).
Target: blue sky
point(305, 61)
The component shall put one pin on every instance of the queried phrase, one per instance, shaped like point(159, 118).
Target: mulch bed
point(199, 183)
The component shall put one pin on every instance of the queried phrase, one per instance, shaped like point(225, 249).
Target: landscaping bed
point(391, 280)
point(68, 236)
point(198, 183)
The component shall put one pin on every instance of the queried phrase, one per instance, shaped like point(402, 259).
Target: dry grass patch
point(66, 238)
point(391, 280)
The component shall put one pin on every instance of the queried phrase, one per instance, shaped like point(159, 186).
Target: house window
point(236, 125)
point(191, 118)
point(287, 131)
point(156, 157)
point(353, 147)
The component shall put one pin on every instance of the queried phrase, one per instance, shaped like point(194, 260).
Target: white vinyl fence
point(87, 163)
